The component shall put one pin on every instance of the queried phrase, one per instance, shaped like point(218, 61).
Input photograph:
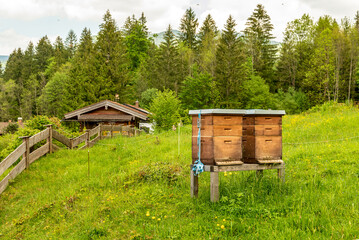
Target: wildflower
point(153, 217)
point(230, 173)
point(158, 219)
point(217, 224)
point(222, 226)
point(225, 174)
point(165, 216)
point(147, 213)
point(224, 220)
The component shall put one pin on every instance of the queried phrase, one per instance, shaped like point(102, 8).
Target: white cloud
point(9, 40)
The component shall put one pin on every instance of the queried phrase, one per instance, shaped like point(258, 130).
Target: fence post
point(49, 139)
point(71, 143)
point(100, 131)
point(88, 138)
point(111, 130)
point(25, 139)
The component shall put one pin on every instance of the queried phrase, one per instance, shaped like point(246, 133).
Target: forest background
point(201, 67)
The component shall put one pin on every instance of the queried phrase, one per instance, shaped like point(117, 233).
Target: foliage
point(292, 101)
point(256, 94)
point(188, 28)
point(198, 90)
point(11, 128)
point(165, 109)
point(147, 97)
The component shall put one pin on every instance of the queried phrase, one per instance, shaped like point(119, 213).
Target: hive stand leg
point(281, 174)
point(259, 173)
point(194, 185)
point(214, 187)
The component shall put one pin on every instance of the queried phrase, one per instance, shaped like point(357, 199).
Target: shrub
point(165, 109)
point(292, 101)
point(11, 128)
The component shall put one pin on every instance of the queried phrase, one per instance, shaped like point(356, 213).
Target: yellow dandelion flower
point(230, 173)
point(147, 213)
point(222, 226)
point(158, 219)
point(153, 217)
point(217, 224)
point(224, 220)
point(165, 216)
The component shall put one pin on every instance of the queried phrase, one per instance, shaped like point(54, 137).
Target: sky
point(22, 21)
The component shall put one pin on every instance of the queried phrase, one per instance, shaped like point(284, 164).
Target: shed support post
point(281, 174)
point(214, 187)
point(194, 185)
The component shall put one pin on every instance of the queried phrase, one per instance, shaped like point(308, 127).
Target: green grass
point(131, 178)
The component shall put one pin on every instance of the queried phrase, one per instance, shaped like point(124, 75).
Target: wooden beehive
point(262, 136)
point(221, 136)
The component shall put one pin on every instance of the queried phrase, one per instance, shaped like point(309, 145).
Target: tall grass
point(138, 188)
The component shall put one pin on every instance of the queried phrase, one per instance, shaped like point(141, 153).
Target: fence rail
point(27, 155)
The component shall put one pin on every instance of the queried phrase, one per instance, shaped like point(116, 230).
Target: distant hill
point(3, 60)
point(159, 37)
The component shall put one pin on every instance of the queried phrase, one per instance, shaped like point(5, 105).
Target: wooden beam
point(194, 185)
point(12, 157)
point(38, 137)
point(214, 187)
point(14, 172)
point(61, 138)
point(38, 153)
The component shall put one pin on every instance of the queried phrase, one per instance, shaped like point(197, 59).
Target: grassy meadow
point(139, 188)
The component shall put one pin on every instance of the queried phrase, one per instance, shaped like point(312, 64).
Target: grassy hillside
point(139, 188)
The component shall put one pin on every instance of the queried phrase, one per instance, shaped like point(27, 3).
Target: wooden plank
point(61, 138)
point(38, 153)
point(117, 128)
point(106, 128)
point(95, 139)
point(94, 131)
point(12, 157)
point(76, 141)
point(39, 137)
point(194, 185)
point(214, 187)
point(243, 167)
point(14, 172)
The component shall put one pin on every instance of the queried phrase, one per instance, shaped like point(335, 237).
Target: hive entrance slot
point(227, 129)
point(227, 141)
point(267, 141)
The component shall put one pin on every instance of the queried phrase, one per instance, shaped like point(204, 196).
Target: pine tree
point(169, 66)
point(208, 36)
point(230, 65)
point(71, 44)
point(60, 54)
point(188, 28)
point(112, 61)
point(136, 40)
point(258, 37)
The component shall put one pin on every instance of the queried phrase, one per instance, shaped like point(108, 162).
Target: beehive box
point(262, 136)
point(221, 136)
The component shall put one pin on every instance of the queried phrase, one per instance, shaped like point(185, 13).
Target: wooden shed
point(262, 136)
point(108, 112)
point(221, 136)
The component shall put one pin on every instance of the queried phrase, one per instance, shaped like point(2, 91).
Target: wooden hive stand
point(214, 171)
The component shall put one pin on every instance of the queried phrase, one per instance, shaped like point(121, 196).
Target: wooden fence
point(25, 155)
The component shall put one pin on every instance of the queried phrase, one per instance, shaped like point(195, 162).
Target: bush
point(165, 109)
point(256, 94)
point(147, 97)
point(11, 128)
point(292, 101)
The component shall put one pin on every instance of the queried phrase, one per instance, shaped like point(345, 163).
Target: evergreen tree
point(169, 67)
point(112, 62)
point(262, 51)
point(71, 44)
point(188, 28)
point(136, 40)
point(60, 54)
point(208, 45)
point(231, 68)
